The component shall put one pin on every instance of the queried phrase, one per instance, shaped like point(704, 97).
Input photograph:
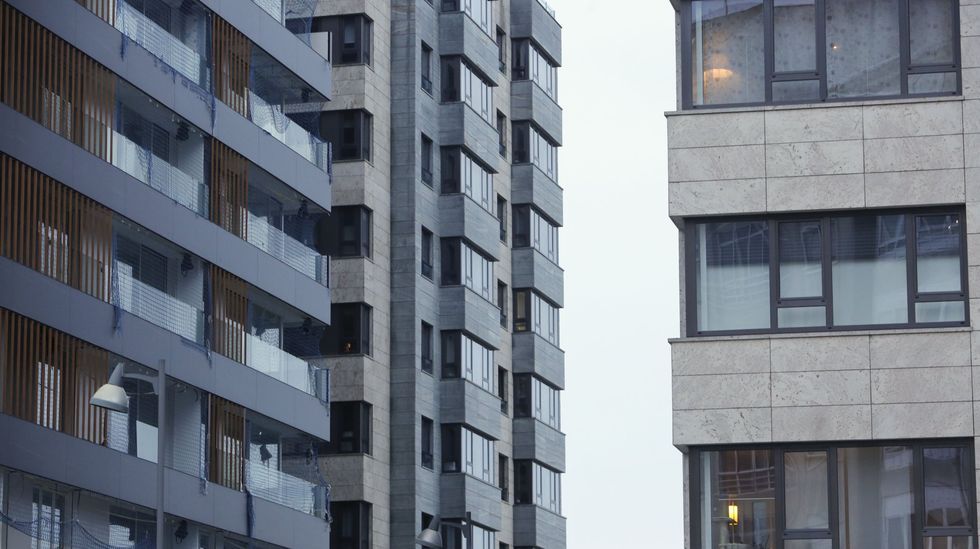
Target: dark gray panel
point(533, 270)
point(531, 186)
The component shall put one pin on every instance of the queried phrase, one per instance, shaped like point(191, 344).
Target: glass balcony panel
point(179, 37)
point(286, 248)
point(275, 362)
point(157, 307)
point(278, 487)
point(156, 172)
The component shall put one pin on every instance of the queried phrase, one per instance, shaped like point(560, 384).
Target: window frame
point(780, 534)
point(820, 22)
point(913, 296)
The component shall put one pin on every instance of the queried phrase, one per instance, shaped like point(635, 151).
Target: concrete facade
point(847, 385)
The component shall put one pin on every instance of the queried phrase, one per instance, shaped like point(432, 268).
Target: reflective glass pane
point(808, 544)
point(800, 253)
point(940, 311)
point(931, 31)
point(795, 36)
point(806, 490)
point(940, 82)
point(937, 247)
point(868, 270)
point(738, 489)
point(863, 53)
point(947, 542)
point(731, 263)
point(875, 497)
point(797, 90)
point(801, 317)
point(727, 52)
point(946, 473)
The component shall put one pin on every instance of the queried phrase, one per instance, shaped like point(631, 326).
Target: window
point(426, 68)
point(504, 474)
point(463, 265)
point(465, 357)
point(426, 160)
point(838, 271)
point(531, 146)
point(502, 134)
point(502, 390)
point(461, 173)
point(502, 302)
point(466, 451)
point(858, 496)
point(453, 536)
point(352, 231)
point(349, 332)
point(535, 484)
point(461, 82)
point(784, 51)
point(537, 399)
point(530, 63)
point(350, 37)
point(426, 253)
point(533, 230)
point(427, 335)
point(48, 518)
point(502, 49)
point(502, 217)
point(533, 313)
point(351, 525)
point(480, 11)
point(350, 428)
point(349, 132)
point(428, 443)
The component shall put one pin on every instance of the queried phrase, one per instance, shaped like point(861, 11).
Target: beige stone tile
point(921, 385)
point(817, 192)
point(913, 153)
point(814, 158)
point(716, 163)
point(739, 356)
point(814, 423)
point(915, 188)
point(913, 119)
point(691, 198)
point(922, 420)
point(706, 392)
point(701, 129)
point(821, 353)
point(824, 124)
point(691, 427)
point(821, 388)
point(920, 350)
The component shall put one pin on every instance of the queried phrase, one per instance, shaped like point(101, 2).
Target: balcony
point(537, 441)
point(533, 270)
point(463, 126)
point(277, 363)
point(460, 35)
point(157, 307)
point(178, 37)
point(536, 20)
point(535, 355)
point(533, 186)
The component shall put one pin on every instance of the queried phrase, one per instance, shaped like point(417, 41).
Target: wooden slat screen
point(53, 83)
point(229, 189)
point(232, 53)
point(53, 229)
point(229, 304)
point(226, 445)
point(105, 9)
point(49, 376)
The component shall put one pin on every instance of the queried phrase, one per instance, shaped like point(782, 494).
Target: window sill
point(826, 333)
point(840, 103)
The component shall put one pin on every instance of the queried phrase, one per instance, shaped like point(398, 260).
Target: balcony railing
point(273, 120)
point(278, 487)
point(157, 307)
point(161, 43)
point(287, 249)
point(275, 362)
point(159, 174)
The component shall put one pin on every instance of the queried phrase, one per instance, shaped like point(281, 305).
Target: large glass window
point(533, 230)
point(480, 11)
point(462, 173)
point(533, 313)
point(895, 496)
point(351, 524)
point(352, 230)
point(783, 51)
point(535, 484)
point(349, 131)
point(350, 428)
point(349, 332)
point(537, 399)
point(460, 82)
point(350, 37)
point(530, 63)
point(463, 265)
point(465, 357)
point(531, 146)
point(466, 451)
point(887, 269)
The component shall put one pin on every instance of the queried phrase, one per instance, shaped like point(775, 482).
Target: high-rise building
point(824, 168)
point(164, 200)
point(445, 125)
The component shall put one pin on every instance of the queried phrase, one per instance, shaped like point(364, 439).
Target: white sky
point(619, 252)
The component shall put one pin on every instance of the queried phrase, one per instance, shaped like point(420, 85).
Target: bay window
point(915, 495)
point(535, 484)
point(454, 538)
point(465, 357)
point(533, 230)
point(461, 82)
point(466, 451)
point(462, 173)
point(480, 11)
point(785, 51)
point(464, 265)
point(531, 146)
point(530, 63)
point(537, 399)
point(533, 313)
point(827, 272)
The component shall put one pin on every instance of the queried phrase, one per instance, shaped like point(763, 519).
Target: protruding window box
point(461, 493)
point(530, 102)
point(461, 308)
point(462, 401)
point(535, 19)
point(537, 441)
point(537, 527)
point(461, 216)
point(530, 185)
point(535, 355)
point(460, 125)
point(533, 270)
point(460, 35)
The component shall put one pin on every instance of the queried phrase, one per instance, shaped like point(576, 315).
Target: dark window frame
point(350, 133)
point(906, 67)
point(425, 56)
point(427, 443)
point(426, 252)
point(780, 534)
point(427, 347)
point(427, 161)
point(361, 511)
point(359, 414)
point(358, 340)
point(827, 301)
point(360, 245)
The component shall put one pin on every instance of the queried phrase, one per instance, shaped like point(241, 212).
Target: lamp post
point(112, 396)
point(430, 538)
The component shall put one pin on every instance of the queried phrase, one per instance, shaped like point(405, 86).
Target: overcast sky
point(619, 252)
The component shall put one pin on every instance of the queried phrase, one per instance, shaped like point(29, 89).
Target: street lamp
point(111, 395)
point(430, 538)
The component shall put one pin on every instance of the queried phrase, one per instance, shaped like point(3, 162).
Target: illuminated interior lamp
point(733, 513)
point(717, 74)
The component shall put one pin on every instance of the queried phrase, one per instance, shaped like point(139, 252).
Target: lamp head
point(112, 396)
point(430, 538)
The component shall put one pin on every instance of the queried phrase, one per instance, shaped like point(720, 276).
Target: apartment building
point(824, 173)
point(164, 305)
point(445, 278)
